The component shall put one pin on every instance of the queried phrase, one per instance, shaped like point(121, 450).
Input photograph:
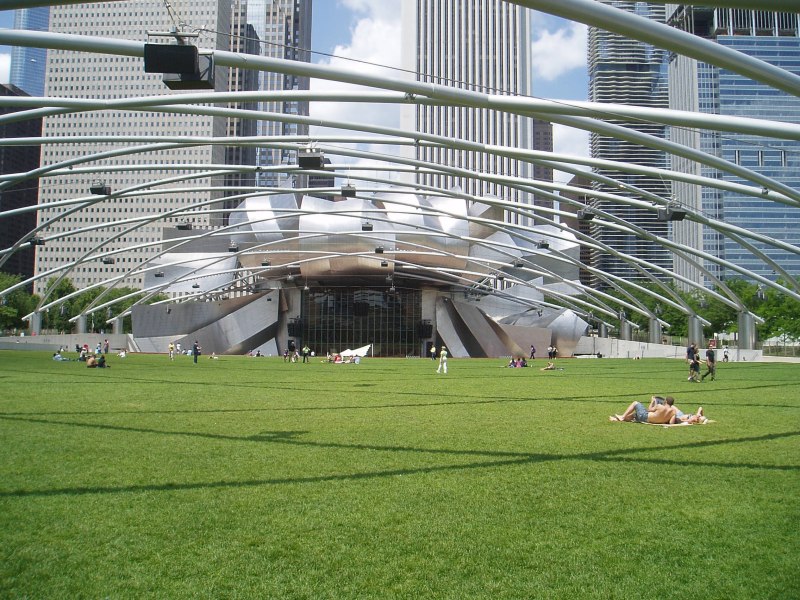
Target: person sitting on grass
point(551, 367)
point(101, 362)
point(661, 414)
point(91, 362)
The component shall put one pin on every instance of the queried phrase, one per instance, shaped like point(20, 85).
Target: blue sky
point(6, 22)
point(336, 21)
point(559, 52)
point(359, 29)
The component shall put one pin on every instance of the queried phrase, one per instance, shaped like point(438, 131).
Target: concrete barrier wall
point(51, 343)
point(615, 348)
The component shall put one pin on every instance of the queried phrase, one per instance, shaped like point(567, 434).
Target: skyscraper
point(87, 76)
point(28, 64)
point(283, 28)
point(18, 159)
point(773, 37)
point(244, 40)
point(478, 45)
point(627, 71)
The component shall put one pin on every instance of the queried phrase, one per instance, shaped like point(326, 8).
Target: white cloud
point(568, 140)
point(367, 45)
point(555, 53)
point(5, 65)
point(562, 44)
point(375, 9)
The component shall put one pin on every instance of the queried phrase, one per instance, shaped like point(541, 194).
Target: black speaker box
point(170, 58)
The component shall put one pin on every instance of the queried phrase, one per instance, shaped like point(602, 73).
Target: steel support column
point(747, 331)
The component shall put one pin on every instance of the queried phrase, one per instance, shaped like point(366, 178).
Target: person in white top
point(442, 361)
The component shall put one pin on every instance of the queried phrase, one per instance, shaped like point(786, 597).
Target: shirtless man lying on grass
point(661, 411)
point(661, 414)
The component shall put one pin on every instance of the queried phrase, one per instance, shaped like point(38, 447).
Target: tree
point(58, 318)
point(15, 305)
point(674, 316)
point(781, 315)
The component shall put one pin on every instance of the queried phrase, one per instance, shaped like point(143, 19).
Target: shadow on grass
point(498, 459)
point(464, 400)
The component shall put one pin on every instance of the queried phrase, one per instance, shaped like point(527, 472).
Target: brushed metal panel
point(332, 233)
point(446, 330)
point(268, 217)
point(480, 329)
point(205, 269)
point(182, 318)
point(239, 331)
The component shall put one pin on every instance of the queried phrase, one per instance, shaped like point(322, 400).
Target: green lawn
point(253, 478)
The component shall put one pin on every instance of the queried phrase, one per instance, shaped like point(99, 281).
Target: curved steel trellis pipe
point(497, 149)
point(464, 97)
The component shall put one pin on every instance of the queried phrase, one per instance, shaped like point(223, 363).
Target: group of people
point(693, 359)
point(92, 360)
point(97, 361)
point(516, 363)
point(175, 348)
point(84, 351)
point(338, 359)
point(660, 411)
point(292, 354)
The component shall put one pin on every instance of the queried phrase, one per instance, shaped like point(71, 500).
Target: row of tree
point(21, 302)
point(781, 312)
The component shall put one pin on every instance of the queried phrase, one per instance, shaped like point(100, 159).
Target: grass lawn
point(253, 478)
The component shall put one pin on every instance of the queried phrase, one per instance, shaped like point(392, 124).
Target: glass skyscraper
point(773, 37)
point(28, 64)
point(627, 71)
point(283, 30)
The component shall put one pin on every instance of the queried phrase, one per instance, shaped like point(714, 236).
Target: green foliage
point(779, 311)
point(20, 303)
point(255, 478)
point(654, 302)
point(57, 318)
point(781, 315)
point(17, 304)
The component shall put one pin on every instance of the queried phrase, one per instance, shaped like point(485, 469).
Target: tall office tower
point(626, 71)
point(543, 141)
point(579, 225)
point(18, 159)
point(89, 76)
point(27, 64)
point(478, 45)
point(773, 37)
point(284, 30)
point(244, 40)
